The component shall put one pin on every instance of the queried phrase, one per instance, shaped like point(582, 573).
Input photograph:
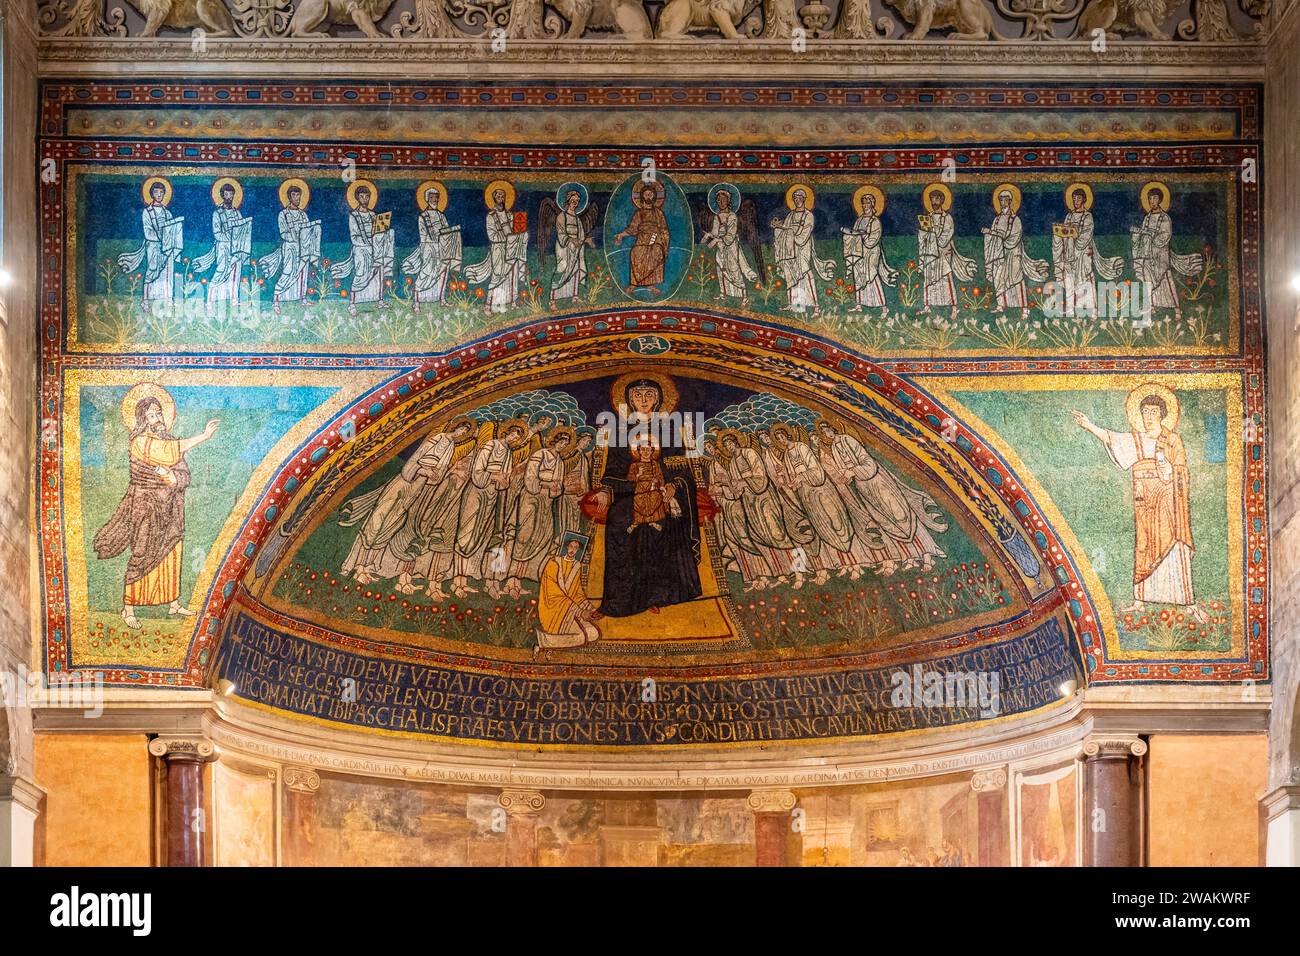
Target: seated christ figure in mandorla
point(1153, 453)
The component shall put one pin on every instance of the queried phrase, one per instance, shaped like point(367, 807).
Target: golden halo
point(1132, 406)
point(148, 185)
point(1164, 194)
point(1015, 197)
point(284, 193)
point(617, 391)
point(657, 186)
point(859, 199)
point(509, 423)
point(501, 184)
point(424, 187)
point(227, 181)
point(726, 433)
point(562, 430)
point(810, 198)
point(357, 184)
point(1078, 187)
point(139, 393)
point(947, 196)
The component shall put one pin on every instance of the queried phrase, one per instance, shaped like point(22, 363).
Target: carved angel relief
point(721, 20)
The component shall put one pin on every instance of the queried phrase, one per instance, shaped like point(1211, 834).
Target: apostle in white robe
point(298, 253)
point(1006, 262)
point(940, 260)
point(571, 242)
point(504, 266)
point(796, 258)
point(734, 270)
point(1076, 262)
point(163, 238)
point(371, 263)
point(1154, 262)
point(865, 258)
point(431, 263)
point(231, 247)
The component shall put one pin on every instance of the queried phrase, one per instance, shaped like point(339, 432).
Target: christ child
point(652, 500)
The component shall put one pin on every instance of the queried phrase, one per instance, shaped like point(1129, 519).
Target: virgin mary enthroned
point(648, 564)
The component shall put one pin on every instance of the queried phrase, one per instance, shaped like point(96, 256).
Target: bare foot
point(175, 610)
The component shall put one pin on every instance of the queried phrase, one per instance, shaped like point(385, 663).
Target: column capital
point(771, 801)
point(183, 747)
point(984, 780)
point(26, 793)
point(1114, 747)
point(301, 779)
point(516, 802)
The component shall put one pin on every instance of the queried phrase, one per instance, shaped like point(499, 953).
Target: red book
point(521, 222)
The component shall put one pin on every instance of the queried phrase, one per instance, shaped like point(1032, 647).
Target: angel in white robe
point(734, 270)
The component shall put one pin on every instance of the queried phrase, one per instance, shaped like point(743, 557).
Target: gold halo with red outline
point(942, 189)
point(227, 181)
point(667, 389)
point(422, 201)
point(1015, 197)
point(1133, 406)
point(149, 184)
point(809, 197)
point(1071, 189)
point(860, 198)
point(357, 184)
point(284, 193)
point(507, 187)
point(139, 393)
point(1160, 188)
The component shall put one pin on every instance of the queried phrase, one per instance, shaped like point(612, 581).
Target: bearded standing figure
point(150, 520)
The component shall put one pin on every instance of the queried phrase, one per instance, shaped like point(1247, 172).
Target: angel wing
point(546, 217)
point(747, 230)
point(590, 218)
point(703, 218)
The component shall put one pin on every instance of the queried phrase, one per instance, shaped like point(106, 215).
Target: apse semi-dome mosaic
point(576, 416)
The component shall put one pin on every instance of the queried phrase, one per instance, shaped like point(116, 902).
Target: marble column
point(20, 802)
point(185, 823)
point(993, 824)
point(771, 826)
point(1112, 800)
point(300, 786)
point(521, 807)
